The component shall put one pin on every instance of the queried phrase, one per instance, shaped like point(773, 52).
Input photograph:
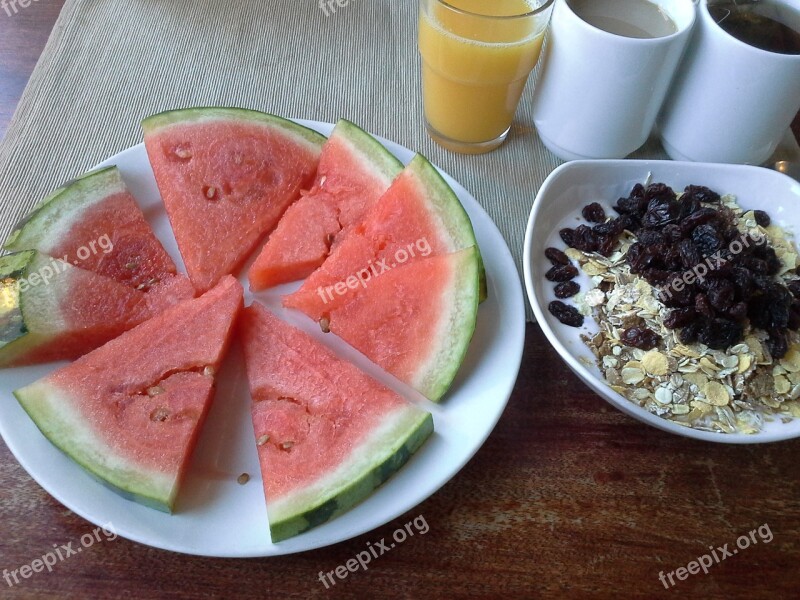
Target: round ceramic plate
point(215, 515)
point(558, 204)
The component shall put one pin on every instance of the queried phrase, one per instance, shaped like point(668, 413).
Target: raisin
point(738, 312)
point(762, 218)
point(720, 294)
point(794, 287)
point(640, 337)
point(701, 193)
point(556, 256)
point(584, 239)
point(612, 228)
point(794, 316)
point(672, 233)
point(690, 333)
point(673, 297)
point(651, 237)
point(567, 236)
point(567, 289)
point(690, 255)
point(777, 344)
point(605, 245)
point(680, 317)
point(661, 213)
point(700, 217)
point(594, 213)
point(703, 306)
point(561, 273)
point(660, 192)
point(707, 239)
point(720, 333)
point(568, 315)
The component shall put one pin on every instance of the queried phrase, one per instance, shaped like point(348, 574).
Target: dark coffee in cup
point(760, 24)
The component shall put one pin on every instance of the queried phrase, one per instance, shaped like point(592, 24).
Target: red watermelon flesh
point(226, 177)
point(419, 216)
point(54, 311)
point(354, 171)
point(95, 223)
point(415, 321)
point(130, 411)
point(327, 434)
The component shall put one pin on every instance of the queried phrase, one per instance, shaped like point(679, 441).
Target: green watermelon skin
point(52, 310)
point(327, 434)
point(227, 175)
point(130, 412)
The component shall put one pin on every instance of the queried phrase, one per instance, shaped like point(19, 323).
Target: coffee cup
point(606, 69)
point(732, 101)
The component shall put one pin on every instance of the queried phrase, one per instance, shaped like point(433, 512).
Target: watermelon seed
point(325, 325)
point(155, 390)
point(131, 266)
point(287, 445)
point(208, 371)
point(159, 415)
point(263, 440)
point(323, 180)
point(243, 478)
point(183, 153)
point(210, 192)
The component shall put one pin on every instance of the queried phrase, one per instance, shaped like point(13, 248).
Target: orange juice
point(476, 58)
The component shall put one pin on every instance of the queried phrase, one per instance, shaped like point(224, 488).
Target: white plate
point(558, 204)
point(215, 516)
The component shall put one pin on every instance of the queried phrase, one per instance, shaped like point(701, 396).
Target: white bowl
point(558, 204)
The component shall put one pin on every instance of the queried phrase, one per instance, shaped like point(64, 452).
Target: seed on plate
point(243, 478)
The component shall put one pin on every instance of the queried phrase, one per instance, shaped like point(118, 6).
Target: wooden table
point(567, 498)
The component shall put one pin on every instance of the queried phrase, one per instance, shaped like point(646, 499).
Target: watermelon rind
point(51, 409)
point(376, 158)
point(202, 114)
point(443, 202)
point(29, 315)
point(456, 327)
point(62, 208)
point(382, 453)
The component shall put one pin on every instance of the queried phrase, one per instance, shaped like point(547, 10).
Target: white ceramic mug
point(599, 93)
point(731, 102)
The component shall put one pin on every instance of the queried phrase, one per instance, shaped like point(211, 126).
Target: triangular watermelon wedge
point(50, 310)
point(415, 321)
point(419, 216)
point(327, 434)
point(95, 223)
point(226, 176)
point(354, 171)
point(130, 411)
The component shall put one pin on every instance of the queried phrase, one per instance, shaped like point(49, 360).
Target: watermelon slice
point(130, 411)
point(419, 216)
point(95, 223)
point(327, 434)
point(50, 310)
point(226, 176)
point(415, 321)
point(354, 171)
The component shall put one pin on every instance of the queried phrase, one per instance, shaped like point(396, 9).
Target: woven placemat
point(109, 64)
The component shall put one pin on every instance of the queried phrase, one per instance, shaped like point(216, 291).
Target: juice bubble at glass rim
point(476, 58)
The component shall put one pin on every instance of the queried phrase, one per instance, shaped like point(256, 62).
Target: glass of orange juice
point(476, 58)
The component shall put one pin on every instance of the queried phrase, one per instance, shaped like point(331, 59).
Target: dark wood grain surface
point(568, 498)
